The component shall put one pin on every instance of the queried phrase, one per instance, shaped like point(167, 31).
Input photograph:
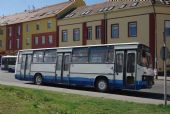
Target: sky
point(16, 6)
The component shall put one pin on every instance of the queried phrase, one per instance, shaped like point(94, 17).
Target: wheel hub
point(102, 85)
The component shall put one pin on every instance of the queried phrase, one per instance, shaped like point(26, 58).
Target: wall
point(122, 17)
point(3, 39)
point(160, 29)
point(33, 31)
point(13, 38)
point(142, 29)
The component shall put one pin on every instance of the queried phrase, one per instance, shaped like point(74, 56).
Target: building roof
point(109, 6)
point(35, 14)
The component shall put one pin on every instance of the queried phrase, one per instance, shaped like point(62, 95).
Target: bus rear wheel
point(101, 85)
point(38, 79)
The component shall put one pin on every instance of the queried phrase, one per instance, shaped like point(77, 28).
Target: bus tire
point(101, 85)
point(38, 79)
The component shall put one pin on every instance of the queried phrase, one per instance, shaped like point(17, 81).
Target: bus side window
point(144, 59)
point(80, 55)
point(119, 62)
point(23, 61)
point(20, 58)
point(66, 62)
point(110, 57)
point(59, 62)
point(98, 55)
point(50, 56)
point(38, 56)
point(131, 63)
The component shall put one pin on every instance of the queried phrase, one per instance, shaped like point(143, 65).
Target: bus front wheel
point(101, 85)
point(38, 79)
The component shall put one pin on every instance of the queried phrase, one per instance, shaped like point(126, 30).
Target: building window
point(49, 24)
point(10, 31)
point(0, 43)
point(1, 32)
point(115, 30)
point(28, 41)
point(18, 44)
point(19, 30)
point(64, 36)
point(89, 33)
point(167, 28)
point(43, 39)
point(132, 29)
point(37, 26)
point(98, 32)
point(50, 39)
point(76, 34)
point(27, 28)
point(36, 40)
point(10, 44)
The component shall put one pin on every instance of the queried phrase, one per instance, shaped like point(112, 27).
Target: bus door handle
point(116, 73)
point(112, 68)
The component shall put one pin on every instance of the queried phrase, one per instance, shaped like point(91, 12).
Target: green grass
point(15, 100)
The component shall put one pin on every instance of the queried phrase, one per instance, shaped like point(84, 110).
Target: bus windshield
point(145, 59)
point(9, 61)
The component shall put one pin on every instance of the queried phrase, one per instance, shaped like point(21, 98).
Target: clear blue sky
point(14, 6)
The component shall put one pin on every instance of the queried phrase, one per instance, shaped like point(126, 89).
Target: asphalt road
point(153, 95)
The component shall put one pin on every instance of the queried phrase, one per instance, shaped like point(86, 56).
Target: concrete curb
point(88, 93)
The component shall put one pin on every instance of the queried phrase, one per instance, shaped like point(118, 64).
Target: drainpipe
point(105, 24)
point(156, 54)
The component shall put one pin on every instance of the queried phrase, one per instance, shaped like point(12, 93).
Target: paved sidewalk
point(88, 93)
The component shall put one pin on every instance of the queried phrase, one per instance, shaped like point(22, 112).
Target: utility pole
point(165, 77)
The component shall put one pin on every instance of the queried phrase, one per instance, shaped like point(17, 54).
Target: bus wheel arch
point(38, 79)
point(101, 83)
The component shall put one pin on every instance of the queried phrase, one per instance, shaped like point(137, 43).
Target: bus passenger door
point(25, 66)
point(131, 69)
point(119, 69)
point(62, 67)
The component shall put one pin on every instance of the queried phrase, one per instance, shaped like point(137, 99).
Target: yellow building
point(35, 28)
point(2, 39)
point(118, 21)
point(40, 29)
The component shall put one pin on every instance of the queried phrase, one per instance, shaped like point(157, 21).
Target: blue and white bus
point(8, 63)
point(109, 66)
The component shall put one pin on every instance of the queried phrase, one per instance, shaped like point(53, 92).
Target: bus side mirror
point(143, 54)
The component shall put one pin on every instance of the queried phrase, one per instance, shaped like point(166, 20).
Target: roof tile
point(36, 14)
point(109, 6)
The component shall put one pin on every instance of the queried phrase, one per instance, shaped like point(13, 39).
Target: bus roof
point(115, 44)
point(9, 56)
